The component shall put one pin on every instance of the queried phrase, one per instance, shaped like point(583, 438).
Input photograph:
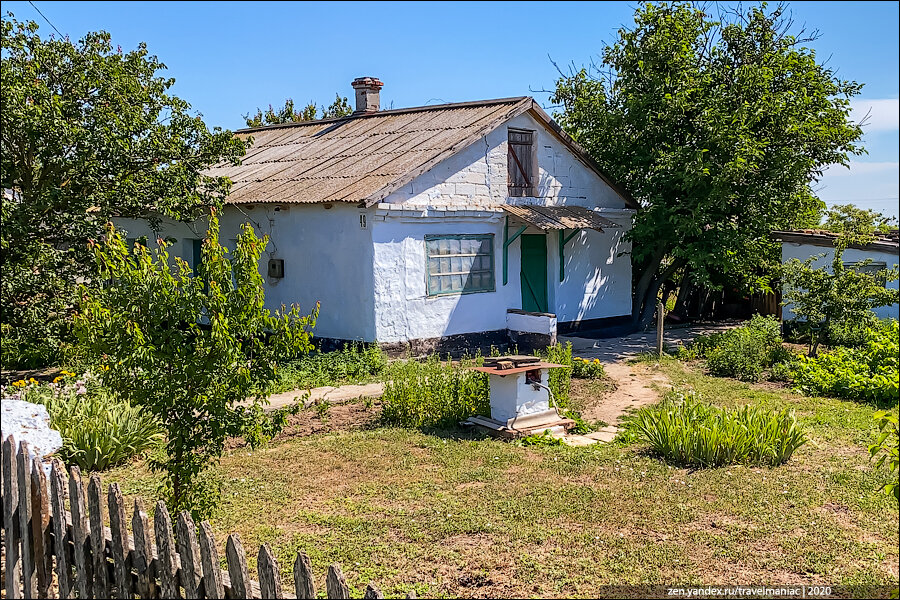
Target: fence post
point(117, 527)
point(40, 528)
point(143, 554)
point(237, 567)
point(304, 586)
point(58, 506)
point(189, 551)
point(660, 318)
point(373, 593)
point(165, 550)
point(11, 519)
point(335, 583)
point(267, 568)
point(23, 472)
point(212, 573)
point(80, 532)
point(98, 538)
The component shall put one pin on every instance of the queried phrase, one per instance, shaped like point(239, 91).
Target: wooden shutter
point(519, 163)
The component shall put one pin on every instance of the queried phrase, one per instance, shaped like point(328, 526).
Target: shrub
point(885, 449)
point(98, 429)
point(355, 362)
point(587, 369)
point(433, 394)
point(744, 352)
point(868, 373)
point(688, 431)
point(700, 347)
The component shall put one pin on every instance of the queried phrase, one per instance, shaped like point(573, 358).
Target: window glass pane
point(459, 264)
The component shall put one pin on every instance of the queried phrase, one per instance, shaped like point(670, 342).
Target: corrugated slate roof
point(360, 158)
point(559, 217)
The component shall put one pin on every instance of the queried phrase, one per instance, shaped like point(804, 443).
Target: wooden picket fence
point(55, 552)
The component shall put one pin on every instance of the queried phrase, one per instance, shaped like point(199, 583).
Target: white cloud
point(879, 115)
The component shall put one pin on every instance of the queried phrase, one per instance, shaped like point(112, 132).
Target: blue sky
point(230, 57)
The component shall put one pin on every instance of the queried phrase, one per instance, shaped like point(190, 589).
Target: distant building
point(884, 252)
point(440, 226)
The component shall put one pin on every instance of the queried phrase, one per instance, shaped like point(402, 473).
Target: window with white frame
point(873, 268)
point(459, 264)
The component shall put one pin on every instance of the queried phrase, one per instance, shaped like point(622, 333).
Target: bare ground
point(635, 386)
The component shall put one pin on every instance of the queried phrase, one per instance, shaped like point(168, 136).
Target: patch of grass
point(434, 512)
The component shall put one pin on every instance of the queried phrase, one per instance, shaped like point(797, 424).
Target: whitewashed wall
point(327, 258)
point(477, 175)
point(791, 250)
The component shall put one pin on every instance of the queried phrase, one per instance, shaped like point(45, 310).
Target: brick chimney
point(368, 94)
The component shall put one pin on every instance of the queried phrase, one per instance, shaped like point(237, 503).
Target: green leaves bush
point(434, 394)
point(868, 373)
point(686, 430)
point(98, 429)
point(587, 368)
point(743, 352)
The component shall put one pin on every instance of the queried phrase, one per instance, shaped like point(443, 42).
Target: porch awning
point(559, 217)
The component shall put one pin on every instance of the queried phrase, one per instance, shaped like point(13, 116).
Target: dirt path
point(635, 388)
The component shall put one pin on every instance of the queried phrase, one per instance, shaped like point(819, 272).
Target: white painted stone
point(29, 423)
point(531, 323)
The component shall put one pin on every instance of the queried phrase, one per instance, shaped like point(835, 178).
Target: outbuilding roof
point(887, 242)
point(362, 158)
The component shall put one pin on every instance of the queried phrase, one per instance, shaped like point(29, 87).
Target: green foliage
point(89, 132)
point(542, 440)
point(744, 352)
point(718, 128)
point(885, 449)
point(288, 114)
point(98, 429)
point(701, 346)
point(837, 303)
point(434, 394)
point(321, 407)
point(354, 363)
point(198, 351)
point(868, 373)
point(686, 430)
point(560, 380)
point(587, 369)
point(850, 219)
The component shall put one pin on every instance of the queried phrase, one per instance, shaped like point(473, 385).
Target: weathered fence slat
point(80, 532)
point(373, 593)
point(11, 523)
point(165, 550)
point(98, 538)
point(23, 479)
point(269, 578)
point(237, 567)
point(143, 551)
point(59, 520)
point(119, 545)
point(40, 528)
point(212, 573)
point(189, 551)
point(304, 586)
point(335, 583)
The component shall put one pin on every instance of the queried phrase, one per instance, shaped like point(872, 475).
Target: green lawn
point(447, 515)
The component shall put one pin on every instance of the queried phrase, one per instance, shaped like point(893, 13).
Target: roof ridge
point(385, 113)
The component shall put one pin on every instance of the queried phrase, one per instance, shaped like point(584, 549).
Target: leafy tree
point(717, 127)
point(288, 114)
point(836, 302)
point(850, 219)
point(885, 449)
point(197, 350)
point(89, 132)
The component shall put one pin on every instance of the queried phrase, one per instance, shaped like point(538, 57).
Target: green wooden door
point(534, 273)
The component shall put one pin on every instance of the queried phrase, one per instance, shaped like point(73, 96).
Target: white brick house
point(427, 225)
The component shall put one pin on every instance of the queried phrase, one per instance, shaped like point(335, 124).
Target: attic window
point(521, 163)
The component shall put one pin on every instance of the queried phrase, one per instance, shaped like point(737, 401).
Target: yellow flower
point(57, 379)
point(19, 383)
point(32, 380)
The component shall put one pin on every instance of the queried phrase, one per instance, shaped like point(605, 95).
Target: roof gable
point(364, 158)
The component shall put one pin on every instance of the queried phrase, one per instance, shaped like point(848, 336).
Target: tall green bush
point(688, 431)
point(560, 380)
point(354, 363)
point(434, 394)
point(744, 352)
